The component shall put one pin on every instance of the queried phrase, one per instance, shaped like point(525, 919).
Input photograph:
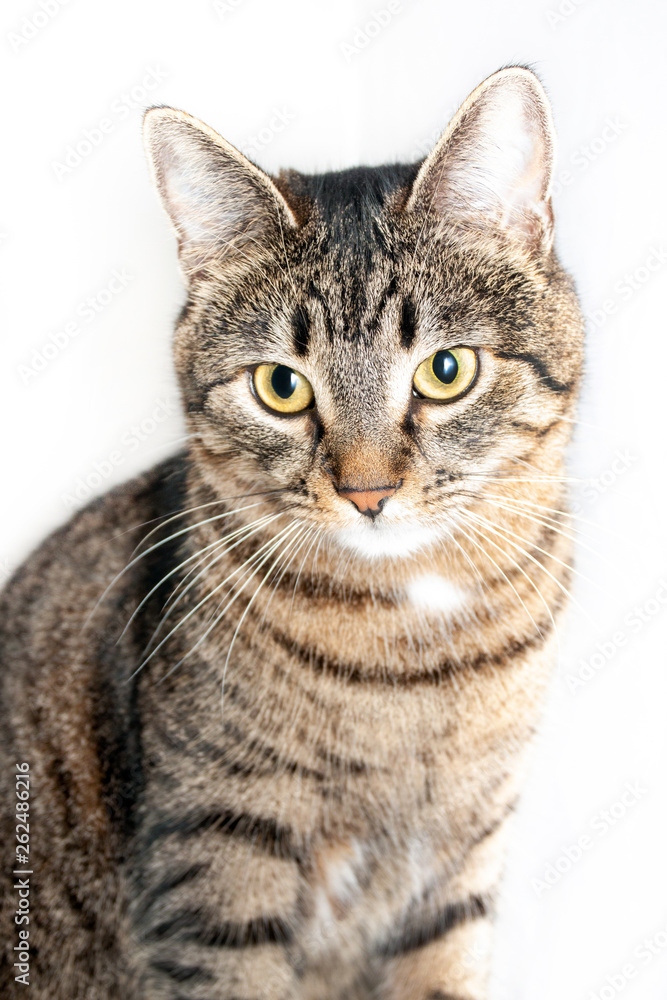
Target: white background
point(102, 407)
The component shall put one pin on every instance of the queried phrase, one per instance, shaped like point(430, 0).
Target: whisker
point(241, 534)
point(182, 511)
point(199, 555)
point(323, 538)
point(452, 538)
point(318, 532)
point(301, 539)
point(157, 545)
point(530, 580)
point(540, 566)
point(280, 556)
point(506, 532)
point(199, 605)
point(274, 543)
point(212, 503)
point(501, 571)
point(496, 477)
point(195, 555)
point(552, 510)
point(551, 523)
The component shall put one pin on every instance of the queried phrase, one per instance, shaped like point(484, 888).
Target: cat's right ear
point(225, 210)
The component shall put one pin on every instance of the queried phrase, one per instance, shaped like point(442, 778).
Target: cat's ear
point(225, 210)
point(491, 169)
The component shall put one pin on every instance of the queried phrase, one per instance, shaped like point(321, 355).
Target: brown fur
point(300, 787)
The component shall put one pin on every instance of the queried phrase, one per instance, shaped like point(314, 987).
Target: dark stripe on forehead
point(301, 331)
point(388, 293)
point(353, 292)
point(408, 323)
point(315, 294)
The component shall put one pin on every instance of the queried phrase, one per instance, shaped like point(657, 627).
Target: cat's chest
point(364, 634)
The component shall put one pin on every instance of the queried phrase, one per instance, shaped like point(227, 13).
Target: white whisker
point(197, 607)
point(241, 534)
point(157, 545)
point(528, 555)
point(500, 570)
point(280, 556)
point(274, 544)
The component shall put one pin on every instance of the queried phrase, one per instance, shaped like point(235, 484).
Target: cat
point(271, 702)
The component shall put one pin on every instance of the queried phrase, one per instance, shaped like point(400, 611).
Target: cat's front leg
point(201, 958)
point(453, 967)
point(257, 973)
point(214, 911)
point(446, 954)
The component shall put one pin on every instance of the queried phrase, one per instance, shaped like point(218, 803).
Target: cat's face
point(383, 345)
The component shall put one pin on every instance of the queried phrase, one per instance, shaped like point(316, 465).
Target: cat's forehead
point(351, 233)
point(347, 204)
point(400, 301)
point(365, 272)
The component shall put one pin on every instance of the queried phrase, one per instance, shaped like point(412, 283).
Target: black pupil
point(445, 367)
point(283, 381)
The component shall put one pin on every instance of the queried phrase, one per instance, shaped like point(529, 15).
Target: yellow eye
point(282, 389)
point(446, 374)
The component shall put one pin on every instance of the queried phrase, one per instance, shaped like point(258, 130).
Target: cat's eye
point(282, 389)
point(446, 374)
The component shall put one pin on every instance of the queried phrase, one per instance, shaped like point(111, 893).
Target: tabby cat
point(275, 697)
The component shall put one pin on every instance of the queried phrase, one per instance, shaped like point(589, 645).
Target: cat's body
point(304, 791)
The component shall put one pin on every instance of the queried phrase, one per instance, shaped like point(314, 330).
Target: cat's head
point(376, 345)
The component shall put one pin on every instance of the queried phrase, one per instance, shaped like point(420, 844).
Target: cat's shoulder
point(98, 540)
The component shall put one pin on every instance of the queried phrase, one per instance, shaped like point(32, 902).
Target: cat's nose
point(369, 502)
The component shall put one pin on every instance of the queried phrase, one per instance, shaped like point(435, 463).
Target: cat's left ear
point(491, 170)
point(225, 210)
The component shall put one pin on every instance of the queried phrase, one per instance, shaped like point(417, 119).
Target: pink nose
point(369, 502)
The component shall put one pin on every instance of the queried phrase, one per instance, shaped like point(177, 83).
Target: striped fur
point(278, 758)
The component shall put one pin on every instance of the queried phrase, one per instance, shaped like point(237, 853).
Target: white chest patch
point(435, 593)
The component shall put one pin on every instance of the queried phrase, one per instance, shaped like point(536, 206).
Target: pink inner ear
point(492, 168)
point(221, 205)
point(525, 207)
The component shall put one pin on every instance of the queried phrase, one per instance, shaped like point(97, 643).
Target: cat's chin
point(386, 541)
